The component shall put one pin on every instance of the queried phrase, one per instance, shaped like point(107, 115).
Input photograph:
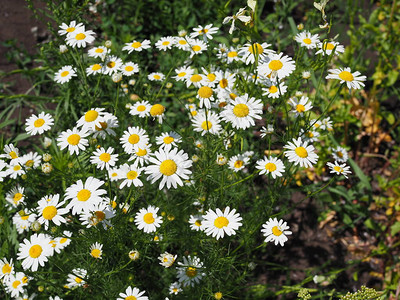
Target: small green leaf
point(395, 228)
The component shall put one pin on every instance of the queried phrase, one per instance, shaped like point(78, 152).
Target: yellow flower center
point(191, 272)
point(78, 280)
point(168, 167)
point(24, 279)
point(111, 64)
point(17, 167)
point(91, 115)
point(158, 77)
point(17, 197)
point(338, 169)
point(182, 42)
point(13, 155)
point(270, 167)
point(16, 283)
point(276, 231)
point(181, 74)
point(206, 125)
point(6, 269)
point(329, 46)
point(256, 48)
point(129, 68)
point(80, 36)
point(99, 50)
point(141, 152)
point(103, 125)
point(96, 67)
point(307, 41)
point(83, 195)
point(238, 164)
point(65, 73)
point(310, 134)
point(49, 212)
point(211, 77)
point(221, 222)
point(232, 96)
point(165, 43)
point(25, 217)
point(300, 108)
point(73, 139)
point(131, 175)
point(148, 218)
point(340, 154)
point(193, 113)
point(136, 45)
point(100, 215)
point(345, 75)
point(131, 298)
point(301, 152)
point(168, 140)
point(197, 223)
point(63, 240)
point(223, 83)
point(195, 78)
point(105, 157)
point(241, 110)
point(95, 253)
point(38, 123)
point(205, 92)
point(133, 139)
point(196, 48)
point(70, 29)
point(275, 65)
point(141, 108)
point(232, 54)
point(273, 89)
point(157, 110)
point(35, 251)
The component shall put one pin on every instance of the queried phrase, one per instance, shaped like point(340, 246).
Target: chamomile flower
point(74, 139)
point(167, 259)
point(94, 69)
point(35, 251)
point(112, 65)
point(175, 288)
point(76, 278)
point(64, 74)
point(130, 175)
point(156, 76)
point(275, 90)
point(137, 46)
point(300, 153)
point(249, 52)
point(339, 169)
point(140, 109)
point(308, 40)
point(309, 136)
point(238, 162)
point(271, 165)
point(278, 66)
point(142, 155)
point(99, 52)
point(15, 169)
point(167, 140)
point(183, 73)
point(16, 196)
point(84, 195)
point(219, 223)
point(182, 43)
point(50, 209)
point(15, 284)
point(133, 139)
point(211, 76)
point(221, 159)
point(340, 154)
point(275, 231)
point(71, 27)
point(103, 158)
point(101, 213)
point(91, 119)
point(196, 222)
point(352, 80)
point(129, 68)
point(242, 111)
point(11, 152)
point(6, 268)
point(106, 126)
point(207, 122)
point(197, 47)
point(63, 241)
point(197, 80)
point(326, 123)
point(113, 174)
point(132, 294)
point(80, 37)
point(157, 112)
point(300, 106)
point(231, 55)
point(171, 166)
point(326, 48)
point(225, 80)
point(165, 43)
point(206, 32)
point(96, 250)
point(39, 124)
point(146, 219)
point(190, 271)
point(23, 220)
point(240, 15)
point(206, 95)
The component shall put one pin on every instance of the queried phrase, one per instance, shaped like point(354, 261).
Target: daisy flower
point(231, 55)
point(130, 174)
point(156, 76)
point(275, 90)
point(133, 139)
point(167, 140)
point(197, 80)
point(221, 159)
point(219, 223)
point(103, 158)
point(182, 43)
point(35, 251)
point(339, 169)
point(62, 242)
point(171, 166)
point(309, 136)
point(226, 80)
point(106, 127)
point(238, 162)
point(196, 222)
point(129, 68)
point(49, 209)
point(39, 124)
point(306, 39)
point(146, 219)
point(94, 69)
point(240, 15)
point(207, 122)
point(197, 47)
point(11, 152)
point(6, 268)
point(80, 37)
point(132, 294)
point(278, 66)
point(183, 73)
point(23, 220)
point(98, 52)
point(76, 278)
point(275, 231)
point(84, 195)
point(74, 139)
point(16, 196)
point(136, 46)
point(340, 154)
point(300, 153)
point(206, 32)
point(64, 74)
point(140, 109)
point(157, 112)
point(96, 250)
point(15, 169)
point(15, 284)
point(249, 52)
point(271, 165)
point(352, 80)
point(300, 106)
point(242, 111)
point(101, 213)
point(142, 155)
point(112, 65)
point(91, 119)
point(205, 95)
point(71, 27)
point(190, 271)
point(326, 48)
point(326, 123)
point(167, 259)
point(175, 288)
point(165, 43)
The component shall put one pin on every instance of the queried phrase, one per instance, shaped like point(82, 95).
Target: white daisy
point(113, 174)
point(64, 74)
point(96, 250)
point(71, 27)
point(339, 169)
point(231, 55)
point(100, 213)
point(190, 271)
point(35, 251)
point(175, 288)
point(103, 158)
point(167, 140)
point(165, 43)
point(205, 95)
point(99, 52)
point(240, 15)
point(133, 139)
point(225, 79)
point(132, 294)
point(326, 48)
point(80, 37)
point(182, 43)
point(207, 122)
point(140, 109)
point(271, 165)
point(129, 68)
point(183, 73)
point(106, 127)
point(39, 124)
point(137, 46)
point(308, 40)
point(11, 152)
point(221, 159)
point(112, 65)
point(238, 162)
point(197, 80)
point(249, 52)
point(197, 47)
point(130, 175)
point(278, 66)
point(219, 223)
point(94, 69)
point(157, 112)
point(196, 222)
point(146, 219)
point(156, 76)
point(63, 241)
point(352, 80)
point(15, 169)
point(242, 111)
point(74, 139)
point(300, 153)
point(16, 196)
point(6, 268)
point(31, 160)
point(76, 278)
point(309, 136)
point(15, 284)
point(206, 32)
point(300, 106)
point(275, 90)
point(142, 155)
point(340, 154)
point(167, 259)
point(50, 209)
point(23, 220)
